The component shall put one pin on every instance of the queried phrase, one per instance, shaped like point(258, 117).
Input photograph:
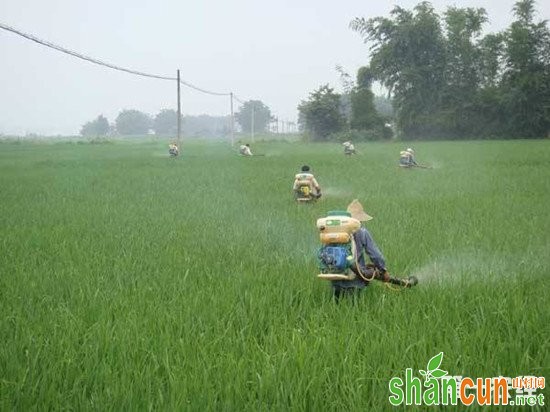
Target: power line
point(203, 90)
point(102, 63)
point(237, 99)
point(80, 56)
point(113, 66)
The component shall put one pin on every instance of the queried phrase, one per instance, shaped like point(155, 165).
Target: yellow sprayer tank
point(337, 227)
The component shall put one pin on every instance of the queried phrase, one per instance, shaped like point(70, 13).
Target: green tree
point(491, 55)
point(526, 80)
point(253, 111)
point(463, 70)
point(456, 84)
point(348, 85)
point(132, 122)
point(166, 122)
point(206, 126)
point(488, 116)
point(320, 114)
point(384, 106)
point(408, 57)
point(364, 115)
point(97, 127)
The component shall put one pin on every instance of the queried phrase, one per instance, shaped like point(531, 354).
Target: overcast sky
point(276, 52)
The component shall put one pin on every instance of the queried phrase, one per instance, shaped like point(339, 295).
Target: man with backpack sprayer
point(407, 160)
point(244, 150)
point(173, 150)
point(342, 256)
point(349, 148)
point(305, 187)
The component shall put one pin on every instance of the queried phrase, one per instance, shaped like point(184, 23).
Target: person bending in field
point(173, 149)
point(406, 158)
point(349, 148)
point(244, 150)
point(366, 272)
point(305, 185)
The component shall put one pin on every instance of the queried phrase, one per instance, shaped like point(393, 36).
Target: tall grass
point(129, 280)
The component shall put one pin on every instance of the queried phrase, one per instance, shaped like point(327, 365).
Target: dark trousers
point(339, 292)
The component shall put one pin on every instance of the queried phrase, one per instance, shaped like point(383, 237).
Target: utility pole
point(252, 122)
point(179, 112)
point(232, 122)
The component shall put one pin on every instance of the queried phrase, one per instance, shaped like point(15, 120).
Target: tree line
point(444, 77)
point(134, 122)
point(253, 115)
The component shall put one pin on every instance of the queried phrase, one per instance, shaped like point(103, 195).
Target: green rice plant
point(132, 281)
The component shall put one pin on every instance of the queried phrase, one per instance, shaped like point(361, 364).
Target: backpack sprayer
point(304, 188)
point(337, 255)
point(173, 150)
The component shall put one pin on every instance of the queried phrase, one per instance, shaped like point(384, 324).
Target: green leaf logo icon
point(438, 373)
point(432, 370)
point(434, 362)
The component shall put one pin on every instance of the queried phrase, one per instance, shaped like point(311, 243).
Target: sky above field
point(276, 52)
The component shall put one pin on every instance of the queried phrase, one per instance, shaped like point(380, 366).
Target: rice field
point(132, 281)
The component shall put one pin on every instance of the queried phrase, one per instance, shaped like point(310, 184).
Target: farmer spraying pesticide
point(173, 150)
point(407, 160)
point(244, 150)
point(305, 187)
point(342, 256)
point(349, 148)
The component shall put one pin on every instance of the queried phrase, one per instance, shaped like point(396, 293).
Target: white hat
point(410, 150)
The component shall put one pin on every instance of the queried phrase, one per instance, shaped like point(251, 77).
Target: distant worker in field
point(305, 186)
point(406, 158)
point(349, 148)
point(173, 150)
point(244, 150)
point(342, 256)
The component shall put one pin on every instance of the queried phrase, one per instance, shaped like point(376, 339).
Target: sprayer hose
point(358, 267)
point(356, 260)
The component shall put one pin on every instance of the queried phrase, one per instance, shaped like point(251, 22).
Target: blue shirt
point(364, 244)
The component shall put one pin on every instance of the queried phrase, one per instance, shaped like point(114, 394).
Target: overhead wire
point(110, 65)
point(203, 90)
point(237, 99)
point(103, 63)
point(81, 56)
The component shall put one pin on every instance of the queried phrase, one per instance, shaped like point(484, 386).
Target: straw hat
point(411, 151)
point(357, 212)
